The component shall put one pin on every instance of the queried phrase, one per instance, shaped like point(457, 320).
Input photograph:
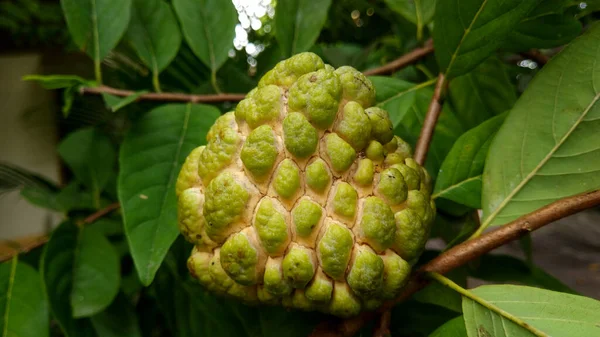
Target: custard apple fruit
point(303, 196)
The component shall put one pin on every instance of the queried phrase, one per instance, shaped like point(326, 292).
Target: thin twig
point(383, 327)
point(468, 251)
point(435, 108)
point(536, 55)
point(42, 239)
point(163, 96)
point(404, 60)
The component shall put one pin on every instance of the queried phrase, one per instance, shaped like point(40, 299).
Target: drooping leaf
point(150, 159)
point(547, 148)
point(23, 306)
point(71, 197)
point(57, 81)
point(439, 295)
point(468, 32)
point(544, 311)
point(91, 156)
point(459, 178)
point(96, 273)
point(154, 33)
point(484, 92)
point(115, 103)
point(57, 276)
point(96, 25)
point(505, 269)
point(13, 177)
point(419, 12)
point(298, 24)
point(407, 105)
point(118, 320)
point(208, 27)
point(453, 328)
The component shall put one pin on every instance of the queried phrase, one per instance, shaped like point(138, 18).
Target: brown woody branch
point(433, 113)
point(468, 251)
point(163, 96)
point(27, 245)
point(404, 60)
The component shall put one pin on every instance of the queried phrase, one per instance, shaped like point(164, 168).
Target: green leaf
point(439, 295)
point(96, 273)
point(57, 274)
point(58, 81)
point(546, 312)
point(96, 25)
point(151, 156)
point(298, 24)
point(89, 153)
point(543, 32)
point(413, 318)
point(208, 27)
point(154, 33)
point(407, 105)
point(459, 178)
point(23, 306)
point(118, 320)
point(547, 148)
point(115, 103)
point(69, 198)
point(468, 32)
point(483, 93)
point(505, 269)
point(453, 328)
point(419, 12)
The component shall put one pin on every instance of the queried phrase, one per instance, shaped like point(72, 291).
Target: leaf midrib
point(533, 172)
point(454, 186)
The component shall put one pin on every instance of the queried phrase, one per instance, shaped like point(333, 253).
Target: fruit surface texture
point(304, 197)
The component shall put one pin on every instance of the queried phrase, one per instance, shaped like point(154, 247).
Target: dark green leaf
point(96, 273)
point(150, 159)
point(439, 295)
point(96, 25)
point(483, 93)
point(57, 275)
point(23, 306)
point(419, 12)
point(414, 319)
point(118, 320)
point(58, 81)
point(298, 24)
point(69, 198)
point(208, 27)
point(504, 269)
point(346, 54)
point(545, 312)
point(468, 32)
point(91, 156)
point(114, 103)
point(459, 178)
point(453, 328)
point(547, 148)
point(543, 32)
point(154, 33)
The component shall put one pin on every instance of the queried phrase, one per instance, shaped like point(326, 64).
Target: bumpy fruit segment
point(303, 196)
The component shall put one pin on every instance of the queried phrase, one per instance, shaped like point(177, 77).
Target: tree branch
point(163, 96)
point(435, 108)
point(383, 327)
point(27, 245)
point(404, 60)
point(468, 251)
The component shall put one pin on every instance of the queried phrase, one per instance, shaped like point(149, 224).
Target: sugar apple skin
point(303, 197)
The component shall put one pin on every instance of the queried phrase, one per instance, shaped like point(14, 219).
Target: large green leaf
point(407, 105)
point(150, 159)
point(23, 306)
point(298, 24)
point(96, 25)
point(545, 312)
point(467, 32)
point(57, 275)
point(154, 33)
point(96, 273)
point(453, 328)
point(91, 156)
point(118, 320)
point(208, 27)
point(548, 148)
point(459, 178)
point(484, 92)
point(419, 12)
